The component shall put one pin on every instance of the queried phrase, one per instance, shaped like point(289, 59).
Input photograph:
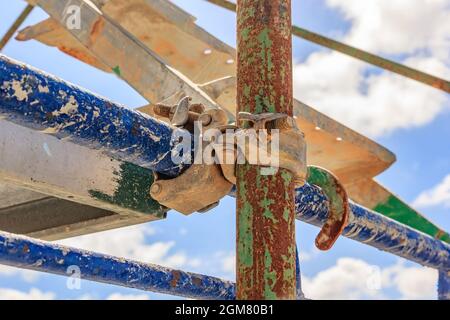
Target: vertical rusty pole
point(266, 250)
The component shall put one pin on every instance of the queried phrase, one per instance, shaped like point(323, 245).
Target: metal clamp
point(199, 189)
point(201, 186)
point(292, 145)
point(184, 114)
point(339, 208)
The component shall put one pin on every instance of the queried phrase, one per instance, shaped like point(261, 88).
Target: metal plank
point(355, 156)
point(74, 173)
point(136, 64)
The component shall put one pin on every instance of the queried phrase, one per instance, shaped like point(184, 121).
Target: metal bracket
point(184, 114)
point(339, 209)
point(201, 186)
point(199, 189)
point(292, 144)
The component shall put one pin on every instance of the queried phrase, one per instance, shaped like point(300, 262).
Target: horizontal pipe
point(444, 285)
point(359, 54)
point(24, 99)
point(376, 230)
point(33, 99)
point(27, 253)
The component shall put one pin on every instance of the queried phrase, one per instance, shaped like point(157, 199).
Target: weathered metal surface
point(359, 54)
point(135, 63)
point(311, 206)
point(378, 198)
point(70, 171)
point(37, 215)
point(39, 101)
point(52, 34)
point(266, 249)
point(74, 173)
point(376, 230)
point(197, 188)
point(20, 19)
point(444, 285)
point(30, 254)
point(291, 153)
point(338, 206)
point(355, 156)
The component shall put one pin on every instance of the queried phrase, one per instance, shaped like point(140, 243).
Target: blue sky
point(412, 121)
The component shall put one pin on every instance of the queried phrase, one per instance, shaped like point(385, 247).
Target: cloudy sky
point(408, 118)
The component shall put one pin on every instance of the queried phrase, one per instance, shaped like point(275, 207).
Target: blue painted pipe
point(444, 285)
point(27, 253)
point(376, 230)
point(298, 276)
point(36, 100)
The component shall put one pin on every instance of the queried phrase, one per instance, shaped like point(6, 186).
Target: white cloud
point(120, 296)
point(348, 279)
point(414, 283)
point(229, 263)
point(377, 104)
point(439, 195)
point(26, 275)
point(131, 243)
point(356, 279)
point(32, 294)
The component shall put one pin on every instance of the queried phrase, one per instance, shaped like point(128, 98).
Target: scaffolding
point(115, 148)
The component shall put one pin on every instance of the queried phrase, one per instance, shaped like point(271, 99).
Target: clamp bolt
point(155, 189)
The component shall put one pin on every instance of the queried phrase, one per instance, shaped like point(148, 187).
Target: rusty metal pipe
point(359, 54)
point(266, 251)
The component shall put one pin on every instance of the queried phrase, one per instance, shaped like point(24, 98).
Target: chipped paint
point(27, 253)
point(265, 211)
point(132, 191)
point(359, 54)
point(396, 209)
point(19, 91)
point(444, 285)
point(374, 229)
point(71, 113)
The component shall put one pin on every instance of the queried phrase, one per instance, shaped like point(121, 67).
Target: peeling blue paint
point(30, 98)
point(27, 253)
point(444, 285)
point(298, 276)
point(36, 100)
point(376, 230)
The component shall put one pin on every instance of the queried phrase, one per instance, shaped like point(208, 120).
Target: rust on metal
point(291, 153)
point(266, 250)
point(417, 75)
point(197, 188)
point(338, 203)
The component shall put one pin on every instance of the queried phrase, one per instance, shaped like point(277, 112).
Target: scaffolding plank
point(355, 157)
point(75, 173)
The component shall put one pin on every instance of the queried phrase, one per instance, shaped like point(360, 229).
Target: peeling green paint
point(264, 203)
point(132, 192)
point(396, 209)
point(245, 241)
point(117, 71)
point(270, 277)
